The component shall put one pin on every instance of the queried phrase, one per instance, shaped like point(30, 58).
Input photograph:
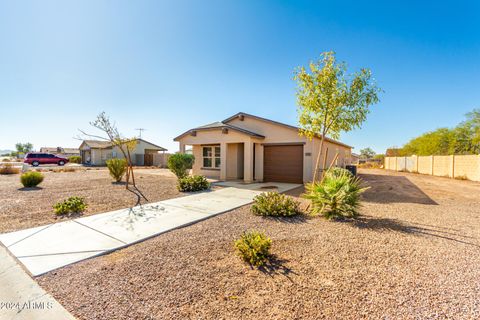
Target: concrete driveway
point(46, 248)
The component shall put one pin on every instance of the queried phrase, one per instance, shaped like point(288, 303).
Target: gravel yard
point(24, 208)
point(413, 254)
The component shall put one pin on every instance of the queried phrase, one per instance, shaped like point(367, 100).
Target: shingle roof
point(221, 125)
point(99, 144)
point(281, 124)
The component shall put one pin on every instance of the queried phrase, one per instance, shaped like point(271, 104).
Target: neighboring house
point(96, 153)
point(66, 152)
point(251, 148)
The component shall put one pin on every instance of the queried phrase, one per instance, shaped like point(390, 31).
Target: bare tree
point(125, 145)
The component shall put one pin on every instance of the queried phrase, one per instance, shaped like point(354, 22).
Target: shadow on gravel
point(385, 224)
point(276, 266)
point(298, 219)
point(393, 189)
point(30, 189)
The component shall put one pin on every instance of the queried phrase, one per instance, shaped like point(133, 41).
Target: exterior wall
point(197, 165)
point(235, 156)
point(467, 167)
point(424, 165)
point(275, 133)
point(453, 166)
point(442, 166)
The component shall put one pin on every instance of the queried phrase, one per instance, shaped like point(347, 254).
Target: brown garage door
point(283, 163)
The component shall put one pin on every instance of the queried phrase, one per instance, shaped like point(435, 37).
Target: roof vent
point(225, 130)
point(241, 117)
point(193, 133)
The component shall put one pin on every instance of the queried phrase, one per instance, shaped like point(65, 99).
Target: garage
point(283, 163)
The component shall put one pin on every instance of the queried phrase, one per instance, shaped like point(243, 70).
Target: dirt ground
point(414, 253)
point(22, 208)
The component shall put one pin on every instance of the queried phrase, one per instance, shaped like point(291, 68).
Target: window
point(211, 157)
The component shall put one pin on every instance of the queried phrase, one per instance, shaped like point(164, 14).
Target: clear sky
point(168, 66)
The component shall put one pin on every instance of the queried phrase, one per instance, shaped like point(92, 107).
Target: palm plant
point(337, 196)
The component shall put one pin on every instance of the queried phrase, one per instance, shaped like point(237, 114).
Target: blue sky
point(168, 66)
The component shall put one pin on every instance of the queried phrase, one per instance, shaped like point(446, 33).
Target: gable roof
point(235, 116)
point(221, 125)
point(59, 150)
point(99, 144)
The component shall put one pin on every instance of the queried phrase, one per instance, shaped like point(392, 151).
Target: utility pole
point(140, 130)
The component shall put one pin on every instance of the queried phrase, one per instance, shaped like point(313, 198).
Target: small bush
point(179, 163)
point(253, 247)
point(193, 183)
point(70, 205)
point(336, 196)
point(31, 179)
point(75, 159)
point(8, 168)
point(274, 204)
point(117, 168)
point(338, 172)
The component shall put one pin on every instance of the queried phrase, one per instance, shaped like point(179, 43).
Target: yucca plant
point(337, 196)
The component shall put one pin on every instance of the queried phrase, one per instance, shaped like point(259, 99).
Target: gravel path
point(413, 254)
point(24, 208)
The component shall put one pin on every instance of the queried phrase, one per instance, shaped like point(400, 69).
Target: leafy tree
point(367, 153)
point(24, 147)
point(330, 101)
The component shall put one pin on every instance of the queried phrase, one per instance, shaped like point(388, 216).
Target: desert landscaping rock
point(412, 254)
point(22, 208)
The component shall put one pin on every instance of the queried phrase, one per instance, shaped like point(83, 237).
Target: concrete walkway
point(21, 297)
point(49, 247)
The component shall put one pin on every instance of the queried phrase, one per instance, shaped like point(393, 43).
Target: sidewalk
point(21, 298)
point(49, 247)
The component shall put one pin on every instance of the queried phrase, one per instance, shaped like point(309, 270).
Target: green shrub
point(117, 168)
point(274, 204)
point(253, 247)
point(75, 159)
point(336, 196)
point(31, 179)
point(179, 163)
point(193, 183)
point(338, 172)
point(8, 168)
point(70, 205)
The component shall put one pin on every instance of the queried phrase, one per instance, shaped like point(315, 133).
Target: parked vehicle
point(36, 158)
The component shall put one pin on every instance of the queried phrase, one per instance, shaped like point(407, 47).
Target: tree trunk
point(317, 164)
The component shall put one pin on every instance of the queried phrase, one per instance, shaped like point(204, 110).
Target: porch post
point(182, 147)
point(223, 161)
point(248, 161)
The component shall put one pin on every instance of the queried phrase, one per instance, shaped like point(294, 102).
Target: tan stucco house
point(254, 149)
point(96, 153)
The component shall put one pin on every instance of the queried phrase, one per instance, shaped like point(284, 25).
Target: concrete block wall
point(452, 166)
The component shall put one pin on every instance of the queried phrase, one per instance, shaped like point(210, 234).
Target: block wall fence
point(460, 167)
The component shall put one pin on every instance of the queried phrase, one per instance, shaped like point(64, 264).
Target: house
point(96, 153)
point(66, 152)
point(250, 148)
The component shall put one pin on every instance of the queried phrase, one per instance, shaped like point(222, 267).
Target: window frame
point(214, 156)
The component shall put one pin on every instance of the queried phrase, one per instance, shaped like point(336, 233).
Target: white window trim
point(213, 158)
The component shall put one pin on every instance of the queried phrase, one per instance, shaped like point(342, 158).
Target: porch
point(232, 161)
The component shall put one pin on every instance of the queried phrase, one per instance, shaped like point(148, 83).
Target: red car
point(36, 159)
